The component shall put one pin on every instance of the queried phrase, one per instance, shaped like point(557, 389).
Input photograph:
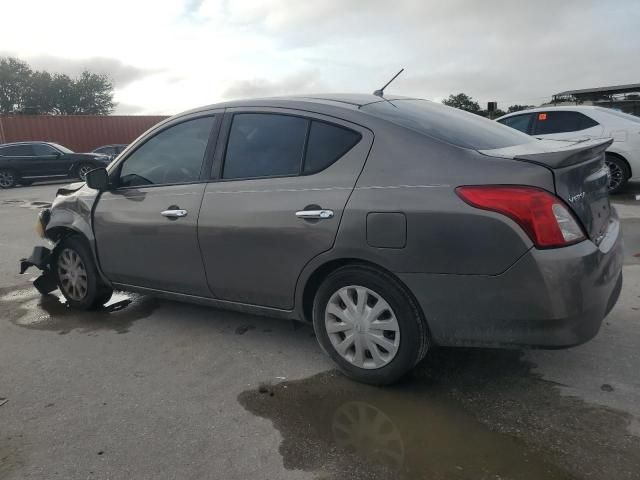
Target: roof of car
point(342, 100)
point(28, 142)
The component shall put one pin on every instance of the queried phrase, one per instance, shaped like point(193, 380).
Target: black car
point(24, 162)
point(112, 150)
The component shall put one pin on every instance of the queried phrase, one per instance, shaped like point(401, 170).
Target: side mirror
point(97, 179)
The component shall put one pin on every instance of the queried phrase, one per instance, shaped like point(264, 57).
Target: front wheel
point(618, 173)
point(369, 325)
point(8, 178)
point(77, 275)
point(83, 169)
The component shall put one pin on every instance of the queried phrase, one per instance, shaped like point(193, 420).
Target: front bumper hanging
point(40, 258)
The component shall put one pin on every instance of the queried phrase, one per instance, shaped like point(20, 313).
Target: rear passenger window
point(561, 122)
point(265, 145)
point(326, 144)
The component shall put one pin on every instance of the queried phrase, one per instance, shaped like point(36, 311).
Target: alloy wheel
point(83, 170)
point(616, 175)
point(362, 327)
point(72, 274)
point(6, 179)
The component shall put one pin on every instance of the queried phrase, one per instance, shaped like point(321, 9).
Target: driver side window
point(172, 156)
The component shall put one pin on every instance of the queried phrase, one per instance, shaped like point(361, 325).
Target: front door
point(284, 181)
point(49, 161)
point(146, 226)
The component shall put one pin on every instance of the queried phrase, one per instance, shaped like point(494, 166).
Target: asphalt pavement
point(152, 389)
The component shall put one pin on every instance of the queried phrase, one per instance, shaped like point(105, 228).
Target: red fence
point(81, 133)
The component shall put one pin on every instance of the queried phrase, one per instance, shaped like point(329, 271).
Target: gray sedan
point(392, 224)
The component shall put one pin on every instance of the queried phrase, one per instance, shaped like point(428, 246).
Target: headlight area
point(43, 220)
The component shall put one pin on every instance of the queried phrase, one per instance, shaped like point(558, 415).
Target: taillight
point(543, 216)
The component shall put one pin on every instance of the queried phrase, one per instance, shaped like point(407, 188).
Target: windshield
point(61, 148)
point(447, 124)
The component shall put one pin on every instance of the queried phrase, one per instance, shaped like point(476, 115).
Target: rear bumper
point(548, 298)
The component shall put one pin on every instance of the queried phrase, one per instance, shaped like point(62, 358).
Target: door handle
point(174, 213)
point(314, 214)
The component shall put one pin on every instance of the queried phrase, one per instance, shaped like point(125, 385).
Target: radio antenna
point(380, 93)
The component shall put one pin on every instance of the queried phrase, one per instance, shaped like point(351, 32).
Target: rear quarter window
point(447, 124)
point(326, 144)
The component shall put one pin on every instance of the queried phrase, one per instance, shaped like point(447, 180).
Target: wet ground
point(465, 414)
point(27, 308)
point(156, 389)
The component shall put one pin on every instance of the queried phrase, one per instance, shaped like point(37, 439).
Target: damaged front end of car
point(69, 214)
point(41, 258)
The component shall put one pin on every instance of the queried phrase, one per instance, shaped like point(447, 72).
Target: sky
point(166, 56)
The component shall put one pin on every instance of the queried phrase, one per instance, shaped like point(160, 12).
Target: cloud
point(300, 82)
point(119, 72)
point(128, 109)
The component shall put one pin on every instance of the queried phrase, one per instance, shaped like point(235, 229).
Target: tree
point(14, 77)
point(38, 92)
point(517, 108)
point(463, 102)
point(94, 94)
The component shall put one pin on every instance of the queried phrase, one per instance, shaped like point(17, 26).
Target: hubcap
point(362, 327)
point(6, 178)
point(72, 274)
point(84, 170)
point(616, 175)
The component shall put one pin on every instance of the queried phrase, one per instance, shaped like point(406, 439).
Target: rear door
point(146, 226)
point(281, 181)
point(20, 158)
point(565, 125)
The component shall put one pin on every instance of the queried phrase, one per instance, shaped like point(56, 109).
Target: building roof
point(631, 87)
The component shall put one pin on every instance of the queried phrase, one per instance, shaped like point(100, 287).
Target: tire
point(8, 178)
point(618, 173)
point(374, 291)
point(77, 275)
point(83, 169)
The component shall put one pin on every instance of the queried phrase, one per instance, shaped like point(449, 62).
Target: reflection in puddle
point(339, 428)
point(27, 308)
point(469, 415)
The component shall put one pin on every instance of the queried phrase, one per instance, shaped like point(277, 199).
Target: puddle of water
point(27, 204)
point(493, 420)
point(27, 308)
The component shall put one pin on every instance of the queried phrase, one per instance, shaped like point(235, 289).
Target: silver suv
point(392, 224)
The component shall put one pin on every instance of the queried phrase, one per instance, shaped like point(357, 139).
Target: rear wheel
point(369, 325)
point(83, 169)
point(618, 172)
point(8, 178)
point(77, 275)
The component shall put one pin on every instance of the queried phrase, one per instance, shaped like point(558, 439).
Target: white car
point(582, 122)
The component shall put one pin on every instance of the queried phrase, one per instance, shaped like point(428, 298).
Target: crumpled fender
point(76, 218)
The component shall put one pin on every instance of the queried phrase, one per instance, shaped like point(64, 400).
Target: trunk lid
point(580, 175)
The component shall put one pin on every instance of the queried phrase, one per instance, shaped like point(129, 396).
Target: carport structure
point(622, 97)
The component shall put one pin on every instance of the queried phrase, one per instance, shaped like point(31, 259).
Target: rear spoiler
point(553, 153)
